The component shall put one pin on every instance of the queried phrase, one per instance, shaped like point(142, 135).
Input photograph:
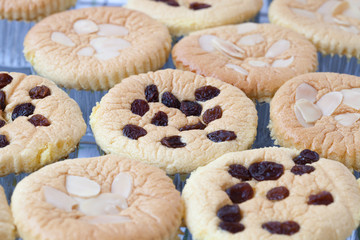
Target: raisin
point(322, 198)
point(198, 6)
point(196, 126)
point(221, 136)
point(190, 108)
point(232, 227)
point(284, 228)
point(240, 192)
point(5, 79)
point(151, 93)
point(306, 156)
point(169, 100)
point(173, 142)
point(134, 132)
point(2, 123)
point(302, 169)
point(160, 119)
point(39, 92)
point(206, 93)
point(266, 171)
point(2, 100)
point(3, 141)
point(139, 107)
point(229, 213)
point(39, 120)
point(277, 194)
point(212, 114)
point(172, 3)
point(239, 171)
point(25, 109)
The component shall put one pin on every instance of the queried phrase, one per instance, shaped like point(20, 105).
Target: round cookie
point(257, 58)
point(39, 123)
point(7, 227)
point(332, 25)
point(319, 111)
point(95, 48)
point(185, 16)
point(105, 197)
point(174, 120)
point(272, 193)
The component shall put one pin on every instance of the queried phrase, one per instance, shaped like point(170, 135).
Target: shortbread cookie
point(7, 227)
point(105, 197)
point(319, 111)
point(185, 16)
point(95, 48)
point(272, 193)
point(39, 123)
point(174, 120)
point(257, 58)
point(332, 25)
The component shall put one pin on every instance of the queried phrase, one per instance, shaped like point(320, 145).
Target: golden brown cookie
point(7, 227)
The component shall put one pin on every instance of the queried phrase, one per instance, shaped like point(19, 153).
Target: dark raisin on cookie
point(39, 120)
point(212, 114)
point(198, 6)
point(302, 169)
point(206, 93)
point(151, 93)
point(306, 157)
point(134, 132)
point(277, 193)
point(322, 198)
point(160, 119)
point(240, 192)
point(139, 107)
point(173, 142)
point(265, 170)
point(283, 228)
point(3, 141)
point(240, 172)
point(39, 92)
point(221, 136)
point(25, 109)
point(233, 227)
point(196, 126)
point(229, 213)
point(2, 100)
point(5, 79)
point(172, 3)
point(169, 100)
point(190, 108)
point(2, 123)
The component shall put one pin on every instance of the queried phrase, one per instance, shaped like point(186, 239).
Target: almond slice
point(122, 184)
point(246, 27)
point(237, 68)
point(107, 219)
point(85, 26)
point(103, 56)
point(104, 44)
point(350, 29)
point(300, 119)
point(251, 40)
point(303, 13)
point(282, 63)
point(309, 111)
point(259, 64)
point(205, 42)
point(61, 38)
point(328, 7)
point(106, 203)
point(329, 102)
point(341, 22)
point(59, 199)
point(347, 119)
point(228, 48)
point(81, 186)
point(278, 48)
point(351, 98)
point(306, 91)
point(86, 51)
point(112, 30)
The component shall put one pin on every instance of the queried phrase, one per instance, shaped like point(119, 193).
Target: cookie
point(105, 197)
point(272, 193)
point(174, 120)
point(185, 16)
point(39, 123)
point(319, 111)
point(332, 25)
point(7, 227)
point(257, 58)
point(95, 48)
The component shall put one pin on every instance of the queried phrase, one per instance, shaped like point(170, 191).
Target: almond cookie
point(105, 197)
point(7, 227)
point(95, 48)
point(39, 123)
point(174, 120)
point(319, 111)
point(272, 193)
point(257, 58)
point(185, 16)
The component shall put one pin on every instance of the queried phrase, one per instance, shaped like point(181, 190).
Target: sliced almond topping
point(246, 27)
point(300, 119)
point(61, 38)
point(228, 48)
point(106, 203)
point(122, 184)
point(309, 111)
point(282, 63)
point(351, 98)
point(329, 102)
point(86, 51)
point(347, 119)
point(306, 91)
point(328, 7)
point(85, 26)
point(107, 219)
point(237, 68)
point(104, 44)
point(81, 186)
point(59, 199)
point(205, 42)
point(278, 48)
point(350, 29)
point(112, 30)
point(251, 40)
point(259, 64)
point(103, 56)
point(341, 22)
point(304, 13)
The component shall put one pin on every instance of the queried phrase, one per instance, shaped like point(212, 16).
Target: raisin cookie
point(185, 16)
point(272, 193)
point(39, 123)
point(174, 120)
point(7, 227)
point(257, 58)
point(319, 111)
point(95, 48)
point(105, 197)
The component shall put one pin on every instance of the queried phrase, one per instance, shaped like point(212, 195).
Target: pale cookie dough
point(174, 120)
point(185, 16)
point(257, 58)
point(95, 48)
point(319, 111)
point(332, 25)
point(107, 197)
point(273, 194)
point(7, 227)
point(39, 123)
